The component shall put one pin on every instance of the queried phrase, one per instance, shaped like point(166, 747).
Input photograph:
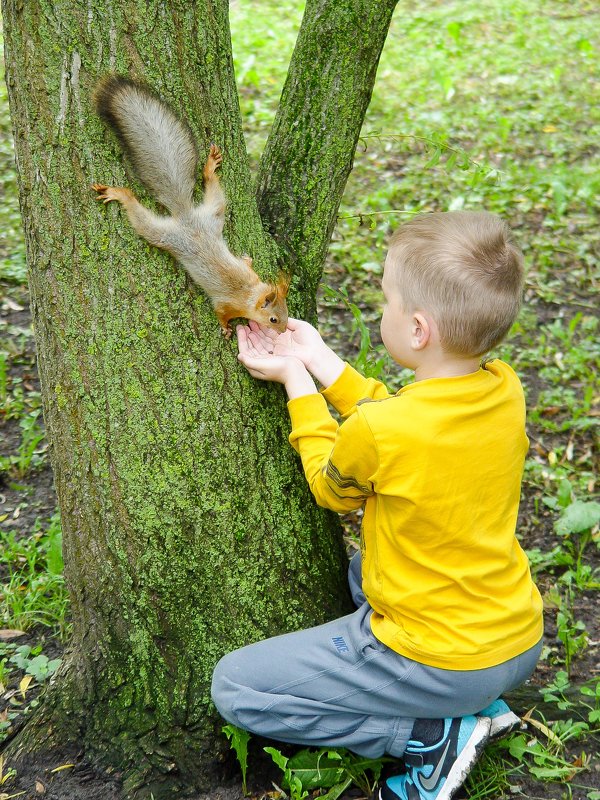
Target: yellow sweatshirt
point(438, 468)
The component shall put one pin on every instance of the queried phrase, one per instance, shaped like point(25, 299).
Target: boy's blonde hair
point(464, 268)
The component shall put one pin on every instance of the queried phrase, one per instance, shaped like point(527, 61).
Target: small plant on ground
point(333, 769)
point(33, 589)
point(329, 769)
point(238, 739)
point(32, 661)
point(29, 455)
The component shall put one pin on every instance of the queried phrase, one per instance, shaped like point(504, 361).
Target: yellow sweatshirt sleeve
point(350, 387)
point(339, 461)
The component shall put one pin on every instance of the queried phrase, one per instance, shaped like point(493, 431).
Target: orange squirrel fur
point(163, 153)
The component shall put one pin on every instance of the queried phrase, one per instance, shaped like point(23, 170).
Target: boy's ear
point(420, 331)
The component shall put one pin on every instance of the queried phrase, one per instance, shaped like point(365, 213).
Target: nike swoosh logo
point(431, 782)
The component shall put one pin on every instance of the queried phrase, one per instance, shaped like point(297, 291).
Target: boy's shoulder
point(502, 370)
point(495, 377)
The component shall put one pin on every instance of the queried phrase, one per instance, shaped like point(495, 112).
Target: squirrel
point(164, 156)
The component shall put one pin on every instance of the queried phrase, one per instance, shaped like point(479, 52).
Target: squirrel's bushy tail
point(159, 145)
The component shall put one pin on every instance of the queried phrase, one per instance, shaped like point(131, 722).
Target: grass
point(12, 245)
point(477, 104)
point(33, 591)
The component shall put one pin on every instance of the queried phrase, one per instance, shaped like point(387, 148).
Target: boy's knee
point(224, 689)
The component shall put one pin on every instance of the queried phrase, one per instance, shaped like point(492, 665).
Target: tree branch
point(311, 147)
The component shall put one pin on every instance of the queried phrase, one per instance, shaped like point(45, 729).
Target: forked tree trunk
point(188, 527)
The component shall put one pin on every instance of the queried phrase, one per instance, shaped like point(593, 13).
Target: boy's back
point(441, 565)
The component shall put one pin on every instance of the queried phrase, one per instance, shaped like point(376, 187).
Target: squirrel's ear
point(269, 298)
point(283, 282)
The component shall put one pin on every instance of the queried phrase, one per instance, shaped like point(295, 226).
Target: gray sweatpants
point(337, 685)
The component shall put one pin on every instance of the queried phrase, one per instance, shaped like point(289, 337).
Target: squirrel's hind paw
point(104, 192)
point(216, 154)
point(214, 160)
point(108, 193)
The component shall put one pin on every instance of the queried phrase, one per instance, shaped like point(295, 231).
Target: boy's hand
point(300, 340)
point(303, 342)
point(256, 353)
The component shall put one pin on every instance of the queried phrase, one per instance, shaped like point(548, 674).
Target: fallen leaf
point(40, 788)
point(24, 684)
point(64, 766)
point(9, 633)
point(541, 727)
point(551, 411)
point(12, 305)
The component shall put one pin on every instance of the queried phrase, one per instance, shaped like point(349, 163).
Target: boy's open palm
point(256, 354)
point(279, 353)
point(300, 340)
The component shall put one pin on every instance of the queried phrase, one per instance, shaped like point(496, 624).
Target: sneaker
point(439, 757)
point(503, 719)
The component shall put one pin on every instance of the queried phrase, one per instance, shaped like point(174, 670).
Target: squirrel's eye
point(273, 320)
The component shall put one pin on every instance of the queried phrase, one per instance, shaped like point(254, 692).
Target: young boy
point(448, 617)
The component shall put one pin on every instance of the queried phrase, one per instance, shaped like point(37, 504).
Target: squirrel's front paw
point(226, 331)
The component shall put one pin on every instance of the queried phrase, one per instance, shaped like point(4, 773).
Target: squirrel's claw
point(101, 189)
point(215, 154)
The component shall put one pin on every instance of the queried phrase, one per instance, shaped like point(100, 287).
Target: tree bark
point(188, 527)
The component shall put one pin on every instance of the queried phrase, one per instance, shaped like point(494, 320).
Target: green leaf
point(564, 494)
point(451, 160)
point(336, 790)
point(517, 747)
point(579, 516)
point(239, 739)
point(585, 46)
point(454, 28)
point(277, 757)
point(434, 158)
point(316, 769)
point(551, 773)
point(297, 791)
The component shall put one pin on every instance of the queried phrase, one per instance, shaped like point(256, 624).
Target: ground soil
point(66, 775)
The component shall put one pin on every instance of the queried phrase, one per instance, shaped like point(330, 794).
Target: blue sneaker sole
point(503, 724)
point(458, 772)
point(466, 759)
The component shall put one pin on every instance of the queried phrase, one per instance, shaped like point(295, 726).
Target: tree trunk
point(310, 150)
point(188, 528)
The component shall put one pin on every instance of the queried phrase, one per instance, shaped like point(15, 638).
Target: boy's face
point(396, 324)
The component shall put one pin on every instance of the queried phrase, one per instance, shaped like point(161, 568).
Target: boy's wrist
point(326, 366)
point(298, 381)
